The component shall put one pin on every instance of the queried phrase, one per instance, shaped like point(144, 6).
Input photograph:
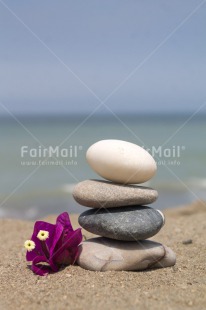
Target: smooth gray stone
point(124, 223)
point(98, 193)
point(103, 254)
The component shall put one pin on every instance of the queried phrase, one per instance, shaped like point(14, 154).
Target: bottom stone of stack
point(103, 254)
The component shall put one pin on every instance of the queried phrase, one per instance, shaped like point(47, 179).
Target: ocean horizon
point(33, 186)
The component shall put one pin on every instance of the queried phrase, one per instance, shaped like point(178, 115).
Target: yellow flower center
point(29, 245)
point(43, 235)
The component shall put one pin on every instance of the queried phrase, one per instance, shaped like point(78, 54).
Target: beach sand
point(180, 287)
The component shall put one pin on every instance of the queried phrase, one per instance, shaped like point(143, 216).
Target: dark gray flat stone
point(97, 194)
point(124, 223)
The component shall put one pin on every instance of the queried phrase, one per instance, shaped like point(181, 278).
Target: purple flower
point(53, 245)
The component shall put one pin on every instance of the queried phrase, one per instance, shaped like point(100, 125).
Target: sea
point(42, 157)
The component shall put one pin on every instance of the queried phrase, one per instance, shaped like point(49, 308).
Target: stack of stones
point(119, 213)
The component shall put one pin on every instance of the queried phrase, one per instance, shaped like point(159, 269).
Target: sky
point(129, 56)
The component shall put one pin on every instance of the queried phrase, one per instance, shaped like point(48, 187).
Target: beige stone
point(103, 254)
point(99, 193)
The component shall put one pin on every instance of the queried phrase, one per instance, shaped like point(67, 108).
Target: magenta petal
point(40, 225)
point(40, 270)
point(68, 256)
point(57, 235)
point(74, 239)
point(61, 247)
point(70, 243)
point(38, 251)
point(31, 255)
point(64, 220)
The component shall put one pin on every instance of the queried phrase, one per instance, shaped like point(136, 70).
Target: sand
point(180, 287)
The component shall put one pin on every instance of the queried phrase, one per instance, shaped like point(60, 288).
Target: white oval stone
point(120, 161)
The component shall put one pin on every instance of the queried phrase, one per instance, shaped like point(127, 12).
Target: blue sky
point(102, 42)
